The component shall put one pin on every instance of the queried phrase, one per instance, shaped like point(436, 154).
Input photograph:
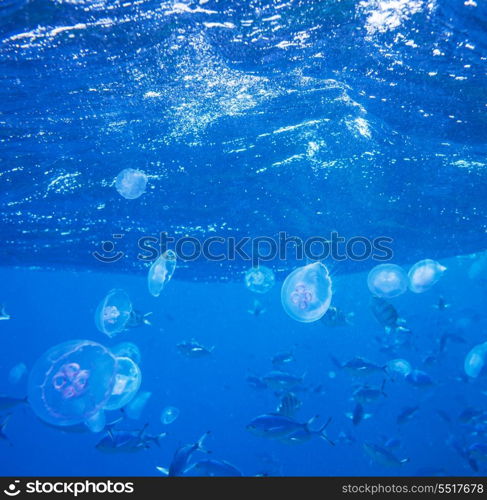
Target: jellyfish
point(306, 292)
point(135, 408)
point(387, 281)
point(71, 382)
point(97, 422)
point(127, 382)
point(474, 364)
point(113, 312)
point(127, 350)
point(17, 373)
point(131, 183)
point(161, 272)
point(259, 279)
point(424, 274)
point(169, 415)
point(399, 366)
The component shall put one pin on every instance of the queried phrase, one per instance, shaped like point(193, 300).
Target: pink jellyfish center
point(110, 314)
point(302, 296)
point(70, 380)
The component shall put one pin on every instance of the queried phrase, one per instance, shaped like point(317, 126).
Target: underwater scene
point(243, 238)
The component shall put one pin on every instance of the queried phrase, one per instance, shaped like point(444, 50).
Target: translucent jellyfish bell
point(387, 281)
point(127, 350)
point(161, 272)
point(71, 382)
point(131, 183)
point(306, 292)
point(259, 279)
point(169, 415)
point(475, 364)
point(127, 382)
point(399, 366)
point(424, 274)
point(113, 312)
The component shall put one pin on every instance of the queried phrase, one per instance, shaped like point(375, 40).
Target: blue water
point(250, 118)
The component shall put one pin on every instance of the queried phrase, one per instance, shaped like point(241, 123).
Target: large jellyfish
point(475, 364)
point(127, 350)
point(306, 292)
point(387, 281)
point(72, 382)
point(259, 279)
point(127, 383)
point(131, 183)
point(424, 274)
point(161, 272)
point(113, 312)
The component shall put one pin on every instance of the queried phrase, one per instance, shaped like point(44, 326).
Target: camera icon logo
point(12, 490)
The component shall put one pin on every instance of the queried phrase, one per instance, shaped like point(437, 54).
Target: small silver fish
point(382, 455)
point(3, 314)
point(283, 381)
point(123, 441)
point(137, 319)
point(215, 468)
point(193, 349)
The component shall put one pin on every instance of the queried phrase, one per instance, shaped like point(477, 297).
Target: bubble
point(400, 366)
point(259, 279)
point(127, 383)
point(474, 364)
point(161, 272)
point(387, 281)
point(127, 350)
point(169, 415)
point(113, 312)
point(131, 183)
point(306, 292)
point(71, 382)
point(424, 274)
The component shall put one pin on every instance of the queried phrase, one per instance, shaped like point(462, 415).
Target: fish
point(288, 405)
point(382, 455)
point(419, 378)
point(478, 451)
point(387, 316)
point(6, 402)
point(366, 394)
point(305, 433)
point(122, 441)
point(441, 305)
point(335, 317)
point(3, 424)
point(193, 349)
point(282, 358)
point(3, 313)
point(449, 337)
point(360, 366)
point(279, 380)
point(256, 382)
point(406, 414)
point(470, 415)
point(358, 414)
point(182, 456)
point(137, 319)
point(257, 309)
point(215, 468)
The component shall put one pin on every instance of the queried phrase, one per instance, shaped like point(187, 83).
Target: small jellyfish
point(475, 364)
point(306, 292)
point(387, 281)
point(71, 382)
point(113, 312)
point(127, 350)
point(127, 382)
point(259, 279)
point(131, 183)
point(399, 366)
point(169, 415)
point(135, 408)
point(17, 373)
point(161, 272)
point(424, 274)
